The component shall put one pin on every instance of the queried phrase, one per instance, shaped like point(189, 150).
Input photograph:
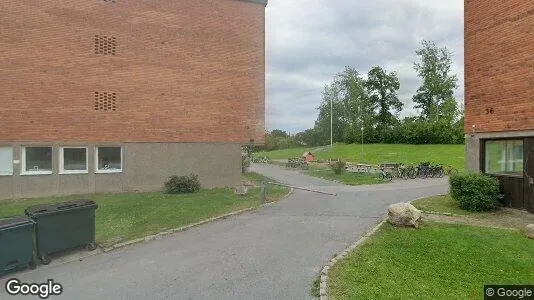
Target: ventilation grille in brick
point(105, 44)
point(110, 1)
point(105, 101)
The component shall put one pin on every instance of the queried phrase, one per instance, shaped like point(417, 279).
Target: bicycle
point(412, 172)
point(291, 163)
point(264, 160)
point(407, 171)
point(396, 172)
point(436, 171)
point(384, 175)
point(423, 170)
point(451, 171)
point(403, 172)
point(297, 163)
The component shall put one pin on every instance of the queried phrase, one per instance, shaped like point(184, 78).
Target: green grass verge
point(282, 154)
point(453, 155)
point(316, 287)
point(348, 178)
point(256, 177)
point(441, 204)
point(122, 217)
point(438, 261)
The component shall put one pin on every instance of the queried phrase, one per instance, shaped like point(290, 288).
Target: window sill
point(108, 171)
point(73, 172)
point(36, 173)
point(506, 175)
point(6, 174)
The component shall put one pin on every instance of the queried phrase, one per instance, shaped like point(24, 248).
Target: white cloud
point(308, 42)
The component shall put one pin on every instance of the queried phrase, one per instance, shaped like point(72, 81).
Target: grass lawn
point(441, 204)
point(453, 155)
point(345, 177)
point(122, 217)
point(438, 261)
point(256, 178)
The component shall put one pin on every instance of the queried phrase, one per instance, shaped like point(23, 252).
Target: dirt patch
point(502, 218)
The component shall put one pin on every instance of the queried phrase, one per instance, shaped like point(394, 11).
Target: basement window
point(504, 157)
point(73, 160)
point(36, 160)
point(108, 159)
point(6, 161)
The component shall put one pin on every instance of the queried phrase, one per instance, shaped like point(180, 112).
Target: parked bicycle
point(450, 171)
point(261, 159)
point(423, 170)
point(384, 175)
point(436, 171)
point(296, 163)
point(391, 168)
point(407, 171)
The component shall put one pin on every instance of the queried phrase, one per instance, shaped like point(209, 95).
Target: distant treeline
point(367, 109)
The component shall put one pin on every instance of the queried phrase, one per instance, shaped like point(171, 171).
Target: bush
point(338, 166)
point(245, 163)
point(182, 184)
point(475, 192)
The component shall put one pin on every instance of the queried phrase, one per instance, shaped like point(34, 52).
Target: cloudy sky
point(309, 41)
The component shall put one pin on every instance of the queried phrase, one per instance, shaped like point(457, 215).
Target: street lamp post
point(362, 144)
point(331, 124)
point(437, 107)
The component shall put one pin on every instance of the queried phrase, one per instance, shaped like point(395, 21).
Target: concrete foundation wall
point(145, 167)
point(472, 145)
point(472, 153)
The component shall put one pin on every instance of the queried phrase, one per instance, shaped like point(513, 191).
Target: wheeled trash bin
point(63, 226)
point(16, 244)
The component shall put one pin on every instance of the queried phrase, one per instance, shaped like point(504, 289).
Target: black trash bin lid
point(6, 223)
point(46, 209)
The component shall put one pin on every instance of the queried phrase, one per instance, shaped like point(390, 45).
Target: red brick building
point(499, 94)
point(114, 95)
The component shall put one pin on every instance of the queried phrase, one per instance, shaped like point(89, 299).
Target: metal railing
point(263, 190)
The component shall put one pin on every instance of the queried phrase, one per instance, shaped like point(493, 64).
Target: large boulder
point(404, 215)
point(529, 230)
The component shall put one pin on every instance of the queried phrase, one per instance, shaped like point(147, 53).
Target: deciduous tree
point(382, 89)
point(434, 68)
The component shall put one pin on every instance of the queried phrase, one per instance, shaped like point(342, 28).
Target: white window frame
point(23, 162)
point(11, 161)
point(62, 160)
point(505, 161)
point(104, 171)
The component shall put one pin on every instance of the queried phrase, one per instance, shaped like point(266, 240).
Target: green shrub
point(182, 184)
point(475, 192)
point(338, 166)
point(245, 163)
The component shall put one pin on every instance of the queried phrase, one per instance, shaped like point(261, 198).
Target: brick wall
point(499, 65)
point(183, 71)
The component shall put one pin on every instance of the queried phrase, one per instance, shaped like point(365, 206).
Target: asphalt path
point(274, 252)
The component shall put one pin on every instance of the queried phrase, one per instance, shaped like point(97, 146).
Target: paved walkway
point(272, 253)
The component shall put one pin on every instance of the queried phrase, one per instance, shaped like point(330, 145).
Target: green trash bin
point(63, 226)
point(16, 244)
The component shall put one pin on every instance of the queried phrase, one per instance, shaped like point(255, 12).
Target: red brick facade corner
point(132, 71)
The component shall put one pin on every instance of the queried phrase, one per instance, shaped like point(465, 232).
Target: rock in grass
point(529, 230)
point(404, 215)
point(241, 190)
